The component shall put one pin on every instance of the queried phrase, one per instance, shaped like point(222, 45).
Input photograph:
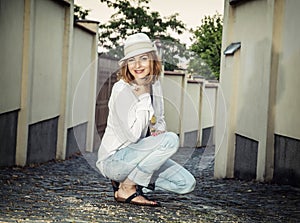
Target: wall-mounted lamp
point(232, 48)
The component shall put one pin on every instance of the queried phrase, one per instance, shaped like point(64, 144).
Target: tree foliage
point(135, 16)
point(207, 41)
point(197, 67)
point(80, 13)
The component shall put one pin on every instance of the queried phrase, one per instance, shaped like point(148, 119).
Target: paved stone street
point(73, 191)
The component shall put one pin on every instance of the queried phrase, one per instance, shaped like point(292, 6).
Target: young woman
point(127, 155)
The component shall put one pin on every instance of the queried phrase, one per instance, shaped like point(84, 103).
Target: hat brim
point(135, 53)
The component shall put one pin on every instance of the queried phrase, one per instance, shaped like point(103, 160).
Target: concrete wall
point(39, 49)
point(287, 93)
point(11, 15)
point(208, 113)
point(47, 32)
point(83, 84)
point(173, 90)
point(190, 108)
point(244, 82)
point(287, 98)
point(257, 99)
point(198, 117)
point(11, 47)
point(191, 113)
point(81, 71)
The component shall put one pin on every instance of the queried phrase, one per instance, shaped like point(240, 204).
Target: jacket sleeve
point(158, 106)
point(132, 114)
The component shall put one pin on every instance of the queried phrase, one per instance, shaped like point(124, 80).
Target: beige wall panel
point(287, 121)
point(191, 107)
point(172, 91)
point(82, 68)
point(11, 39)
point(253, 83)
point(208, 107)
point(241, 108)
point(47, 60)
point(225, 116)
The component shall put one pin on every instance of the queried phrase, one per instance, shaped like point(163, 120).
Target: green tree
point(197, 66)
point(135, 16)
point(207, 41)
point(80, 13)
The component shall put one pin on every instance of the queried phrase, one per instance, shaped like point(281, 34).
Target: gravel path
point(73, 191)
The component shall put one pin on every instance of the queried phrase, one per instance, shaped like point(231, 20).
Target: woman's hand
point(156, 132)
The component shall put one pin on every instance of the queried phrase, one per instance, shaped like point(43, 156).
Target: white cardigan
point(129, 117)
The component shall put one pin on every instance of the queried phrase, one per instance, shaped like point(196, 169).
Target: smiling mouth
point(139, 71)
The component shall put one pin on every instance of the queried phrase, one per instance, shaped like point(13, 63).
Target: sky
point(191, 12)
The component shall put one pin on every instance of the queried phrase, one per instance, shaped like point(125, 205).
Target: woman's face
point(139, 66)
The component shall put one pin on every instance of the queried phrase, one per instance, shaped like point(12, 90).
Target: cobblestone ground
point(73, 191)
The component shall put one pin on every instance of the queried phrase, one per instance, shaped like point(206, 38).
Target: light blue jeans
point(148, 161)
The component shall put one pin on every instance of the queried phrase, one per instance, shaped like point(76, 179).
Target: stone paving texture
point(73, 191)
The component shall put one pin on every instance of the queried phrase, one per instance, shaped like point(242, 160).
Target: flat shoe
point(129, 200)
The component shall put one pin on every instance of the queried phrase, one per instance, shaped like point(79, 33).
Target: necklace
point(137, 87)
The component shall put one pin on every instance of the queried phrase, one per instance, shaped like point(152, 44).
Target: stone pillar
point(65, 79)
point(23, 116)
point(91, 127)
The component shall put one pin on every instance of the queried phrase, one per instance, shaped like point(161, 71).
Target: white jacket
point(129, 118)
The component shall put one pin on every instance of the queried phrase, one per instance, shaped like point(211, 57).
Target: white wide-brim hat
point(136, 44)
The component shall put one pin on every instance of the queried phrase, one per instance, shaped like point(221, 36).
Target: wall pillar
point(276, 17)
point(23, 116)
point(226, 104)
point(91, 128)
point(226, 120)
point(66, 61)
